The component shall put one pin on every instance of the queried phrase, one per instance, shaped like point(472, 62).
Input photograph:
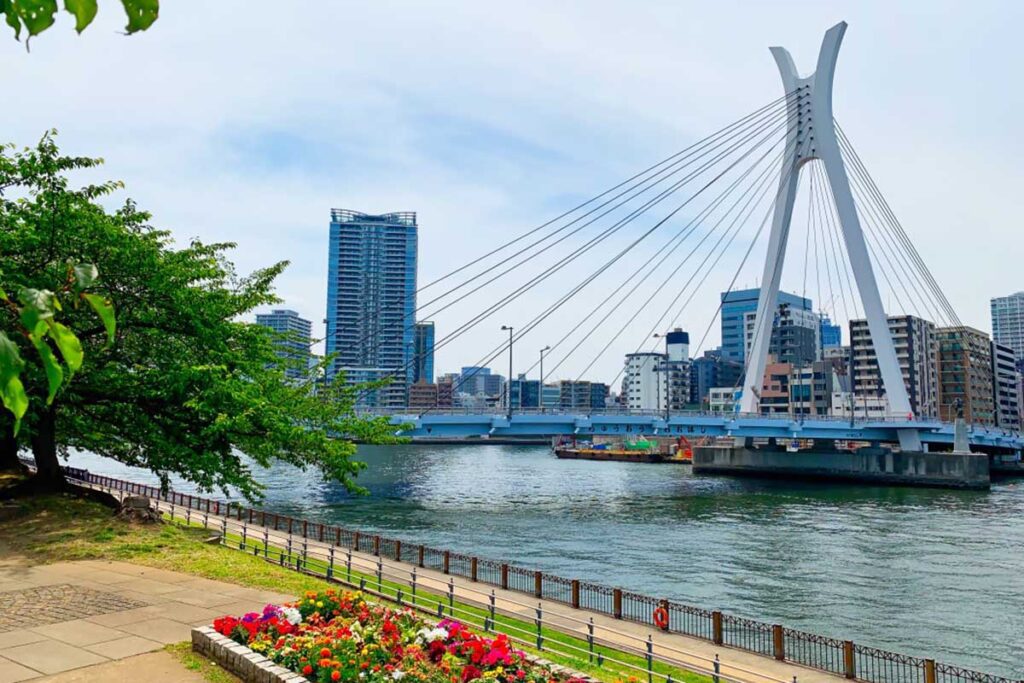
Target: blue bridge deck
point(456, 424)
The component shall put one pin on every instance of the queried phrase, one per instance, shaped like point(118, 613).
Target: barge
point(642, 451)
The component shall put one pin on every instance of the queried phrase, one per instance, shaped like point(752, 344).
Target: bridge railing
point(842, 657)
point(583, 413)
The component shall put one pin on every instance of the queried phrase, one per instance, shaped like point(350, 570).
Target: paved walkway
point(151, 666)
point(62, 617)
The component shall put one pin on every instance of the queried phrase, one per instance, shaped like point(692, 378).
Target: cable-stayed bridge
point(630, 262)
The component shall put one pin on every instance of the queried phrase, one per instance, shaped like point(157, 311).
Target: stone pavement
point(151, 666)
point(94, 612)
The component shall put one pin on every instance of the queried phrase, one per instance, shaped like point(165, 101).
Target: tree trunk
point(44, 449)
point(8, 447)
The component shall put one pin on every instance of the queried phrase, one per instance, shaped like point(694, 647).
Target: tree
point(35, 16)
point(59, 350)
point(187, 387)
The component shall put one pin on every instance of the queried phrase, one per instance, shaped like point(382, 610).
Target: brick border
point(240, 660)
point(253, 667)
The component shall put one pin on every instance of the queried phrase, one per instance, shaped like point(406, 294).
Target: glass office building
point(292, 339)
point(735, 307)
point(371, 302)
point(1008, 322)
point(423, 353)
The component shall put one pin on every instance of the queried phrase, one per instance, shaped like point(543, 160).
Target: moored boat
point(608, 454)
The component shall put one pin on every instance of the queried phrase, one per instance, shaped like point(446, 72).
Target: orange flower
point(325, 652)
point(335, 675)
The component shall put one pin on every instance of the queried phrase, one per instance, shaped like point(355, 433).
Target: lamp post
point(540, 390)
point(509, 328)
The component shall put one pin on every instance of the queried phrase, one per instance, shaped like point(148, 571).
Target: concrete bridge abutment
point(870, 465)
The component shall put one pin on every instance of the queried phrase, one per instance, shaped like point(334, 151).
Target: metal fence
point(840, 657)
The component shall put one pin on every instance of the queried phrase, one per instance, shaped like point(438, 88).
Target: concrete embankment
point(867, 465)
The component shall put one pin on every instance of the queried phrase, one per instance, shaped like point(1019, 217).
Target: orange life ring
point(661, 618)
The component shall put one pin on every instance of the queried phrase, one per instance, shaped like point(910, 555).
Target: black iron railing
point(840, 657)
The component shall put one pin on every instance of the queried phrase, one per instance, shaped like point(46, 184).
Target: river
point(926, 572)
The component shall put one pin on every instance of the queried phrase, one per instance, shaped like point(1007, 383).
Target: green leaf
point(10, 360)
point(40, 300)
point(37, 307)
point(36, 15)
point(84, 11)
point(141, 14)
point(12, 392)
point(105, 310)
point(54, 373)
point(11, 17)
point(67, 342)
point(86, 275)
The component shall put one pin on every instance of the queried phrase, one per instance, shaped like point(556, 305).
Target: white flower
point(292, 615)
point(429, 635)
point(398, 674)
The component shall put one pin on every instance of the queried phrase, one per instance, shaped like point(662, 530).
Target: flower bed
point(338, 636)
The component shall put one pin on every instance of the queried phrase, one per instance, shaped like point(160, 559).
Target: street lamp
point(509, 328)
point(540, 392)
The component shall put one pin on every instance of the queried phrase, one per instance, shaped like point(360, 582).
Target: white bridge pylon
point(812, 135)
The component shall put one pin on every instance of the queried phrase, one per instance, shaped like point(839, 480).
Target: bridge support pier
point(867, 465)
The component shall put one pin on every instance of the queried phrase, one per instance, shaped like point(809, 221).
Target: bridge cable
point(743, 261)
point(729, 236)
point(684, 233)
point(924, 273)
point(757, 129)
point(579, 252)
point(530, 326)
point(692, 226)
point(770, 105)
point(760, 126)
point(739, 269)
point(870, 205)
point(894, 222)
point(828, 226)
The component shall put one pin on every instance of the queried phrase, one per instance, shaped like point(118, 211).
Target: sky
point(235, 121)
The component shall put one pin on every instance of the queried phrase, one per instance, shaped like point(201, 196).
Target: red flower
point(335, 675)
point(225, 625)
point(306, 670)
point(436, 651)
point(470, 672)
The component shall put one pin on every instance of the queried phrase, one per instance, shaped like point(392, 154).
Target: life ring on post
point(661, 618)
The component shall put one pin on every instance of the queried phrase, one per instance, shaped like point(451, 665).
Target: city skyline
point(511, 153)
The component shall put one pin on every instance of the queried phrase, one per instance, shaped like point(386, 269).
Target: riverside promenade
point(673, 649)
point(95, 620)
